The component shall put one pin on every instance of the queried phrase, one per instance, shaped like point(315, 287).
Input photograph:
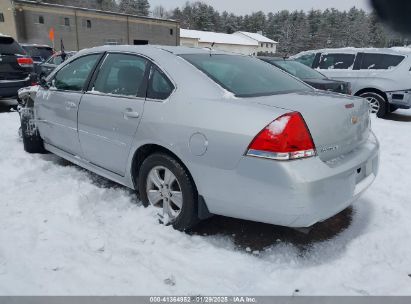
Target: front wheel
point(377, 103)
point(32, 141)
point(165, 184)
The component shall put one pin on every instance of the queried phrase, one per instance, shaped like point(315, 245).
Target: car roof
point(176, 50)
point(351, 50)
point(36, 45)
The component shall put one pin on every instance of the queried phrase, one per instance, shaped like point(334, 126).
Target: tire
point(377, 103)
point(32, 141)
point(157, 164)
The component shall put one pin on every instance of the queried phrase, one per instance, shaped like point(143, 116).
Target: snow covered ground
point(65, 231)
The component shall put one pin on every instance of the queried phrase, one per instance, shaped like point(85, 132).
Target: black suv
point(16, 68)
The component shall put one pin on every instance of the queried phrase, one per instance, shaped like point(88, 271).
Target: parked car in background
point(52, 62)
point(39, 54)
point(16, 68)
point(309, 75)
point(382, 76)
point(199, 131)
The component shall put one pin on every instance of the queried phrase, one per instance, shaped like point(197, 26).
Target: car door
point(111, 110)
point(57, 105)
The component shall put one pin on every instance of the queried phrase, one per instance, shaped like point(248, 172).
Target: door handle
point(129, 113)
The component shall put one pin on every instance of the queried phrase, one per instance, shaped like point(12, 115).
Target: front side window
point(245, 76)
point(122, 74)
point(160, 87)
point(307, 59)
point(380, 61)
point(74, 75)
point(337, 61)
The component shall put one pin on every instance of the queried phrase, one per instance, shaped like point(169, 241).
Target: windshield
point(245, 76)
point(298, 69)
point(38, 53)
point(10, 47)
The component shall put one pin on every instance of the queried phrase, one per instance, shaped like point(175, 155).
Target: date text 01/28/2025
point(203, 299)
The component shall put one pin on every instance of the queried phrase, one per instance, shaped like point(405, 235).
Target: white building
point(236, 43)
point(265, 44)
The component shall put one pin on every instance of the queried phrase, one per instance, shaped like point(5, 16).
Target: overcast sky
point(249, 6)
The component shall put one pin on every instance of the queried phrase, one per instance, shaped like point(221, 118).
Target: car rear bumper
point(8, 88)
point(401, 99)
point(296, 193)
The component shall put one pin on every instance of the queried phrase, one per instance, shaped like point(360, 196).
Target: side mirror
point(43, 83)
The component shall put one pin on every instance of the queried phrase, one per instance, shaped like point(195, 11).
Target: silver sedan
point(199, 132)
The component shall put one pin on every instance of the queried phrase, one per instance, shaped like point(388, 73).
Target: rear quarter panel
point(222, 129)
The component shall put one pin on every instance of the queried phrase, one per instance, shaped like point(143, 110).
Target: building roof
point(35, 2)
point(257, 37)
point(212, 37)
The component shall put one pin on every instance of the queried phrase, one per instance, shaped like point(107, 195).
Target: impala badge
point(355, 120)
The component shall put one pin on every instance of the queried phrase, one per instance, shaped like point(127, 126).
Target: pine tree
point(143, 7)
point(128, 7)
point(135, 7)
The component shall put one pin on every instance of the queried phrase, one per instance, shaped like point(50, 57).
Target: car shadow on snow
point(398, 116)
point(254, 236)
point(251, 236)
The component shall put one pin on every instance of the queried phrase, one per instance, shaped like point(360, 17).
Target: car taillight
point(25, 62)
point(286, 138)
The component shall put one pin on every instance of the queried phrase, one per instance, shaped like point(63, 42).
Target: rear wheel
point(32, 141)
point(165, 184)
point(377, 103)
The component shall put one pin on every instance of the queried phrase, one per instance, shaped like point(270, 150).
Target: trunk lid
point(338, 124)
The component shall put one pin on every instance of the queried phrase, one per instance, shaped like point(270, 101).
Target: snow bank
point(65, 231)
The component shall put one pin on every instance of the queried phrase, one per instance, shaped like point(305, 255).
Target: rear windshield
point(10, 47)
point(298, 69)
point(38, 53)
point(245, 76)
point(380, 61)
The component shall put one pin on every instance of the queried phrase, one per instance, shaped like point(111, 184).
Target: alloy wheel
point(374, 104)
point(164, 191)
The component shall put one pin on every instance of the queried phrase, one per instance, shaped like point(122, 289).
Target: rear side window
point(74, 75)
point(336, 61)
point(8, 46)
point(122, 74)
point(160, 87)
point(245, 76)
point(308, 59)
point(380, 61)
